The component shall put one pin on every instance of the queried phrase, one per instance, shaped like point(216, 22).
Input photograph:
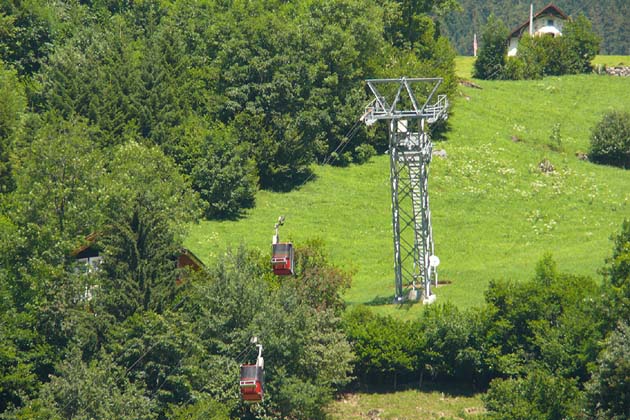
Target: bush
point(540, 395)
point(382, 347)
point(610, 140)
point(514, 69)
point(363, 153)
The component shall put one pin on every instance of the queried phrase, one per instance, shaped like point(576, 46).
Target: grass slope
point(494, 212)
point(464, 64)
point(409, 404)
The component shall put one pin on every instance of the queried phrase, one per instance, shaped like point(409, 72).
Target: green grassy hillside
point(411, 404)
point(612, 60)
point(495, 213)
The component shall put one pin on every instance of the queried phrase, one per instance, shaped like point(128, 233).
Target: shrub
point(610, 140)
point(363, 153)
point(514, 69)
point(381, 345)
point(540, 395)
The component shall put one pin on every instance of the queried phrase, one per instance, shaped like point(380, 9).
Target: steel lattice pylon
point(410, 151)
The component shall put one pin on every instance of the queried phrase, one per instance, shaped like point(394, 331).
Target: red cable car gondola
point(252, 381)
point(282, 254)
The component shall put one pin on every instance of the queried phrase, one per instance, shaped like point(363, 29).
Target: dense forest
point(610, 19)
point(122, 123)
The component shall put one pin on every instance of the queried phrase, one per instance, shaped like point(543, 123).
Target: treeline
point(240, 95)
point(554, 347)
point(611, 20)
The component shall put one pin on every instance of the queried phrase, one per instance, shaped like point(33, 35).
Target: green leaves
point(492, 51)
point(98, 389)
point(582, 42)
point(224, 174)
point(59, 176)
point(538, 56)
point(610, 140)
point(539, 395)
point(303, 343)
point(146, 206)
point(12, 107)
point(609, 396)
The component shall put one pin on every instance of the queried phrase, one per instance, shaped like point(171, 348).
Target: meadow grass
point(409, 404)
point(612, 60)
point(464, 66)
point(495, 213)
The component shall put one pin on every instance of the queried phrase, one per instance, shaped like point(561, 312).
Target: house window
point(550, 22)
point(89, 264)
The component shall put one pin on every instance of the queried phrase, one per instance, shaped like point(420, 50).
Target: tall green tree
point(493, 50)
point(582, 41)
point(617, 278)
point(146, 208)
point(307, 356)
point(161, 353)
point(58, 176)
point(12, 108)
point(409, 22)
point(26, 34)
point(224, 173)
point(19, 339)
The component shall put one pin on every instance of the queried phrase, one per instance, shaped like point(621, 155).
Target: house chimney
point(531, 19)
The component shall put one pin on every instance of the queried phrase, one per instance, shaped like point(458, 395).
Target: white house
point(547, 22)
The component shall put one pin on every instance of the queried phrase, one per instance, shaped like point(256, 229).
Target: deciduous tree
point(493, 50)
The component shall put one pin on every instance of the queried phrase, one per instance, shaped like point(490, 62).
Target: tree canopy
point(121, 123)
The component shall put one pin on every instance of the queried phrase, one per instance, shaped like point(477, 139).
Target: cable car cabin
point(282, 259)
point(252, 383)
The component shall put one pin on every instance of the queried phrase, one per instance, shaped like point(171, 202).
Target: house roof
point(92, 239)
point(89, 241)
point(550, 9)
point(197, 263)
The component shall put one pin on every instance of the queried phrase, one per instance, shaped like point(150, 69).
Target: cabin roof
point(90, 242)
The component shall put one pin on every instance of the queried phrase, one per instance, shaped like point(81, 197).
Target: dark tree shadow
point(390, 300)
point(289, 181)
point(448, 388)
